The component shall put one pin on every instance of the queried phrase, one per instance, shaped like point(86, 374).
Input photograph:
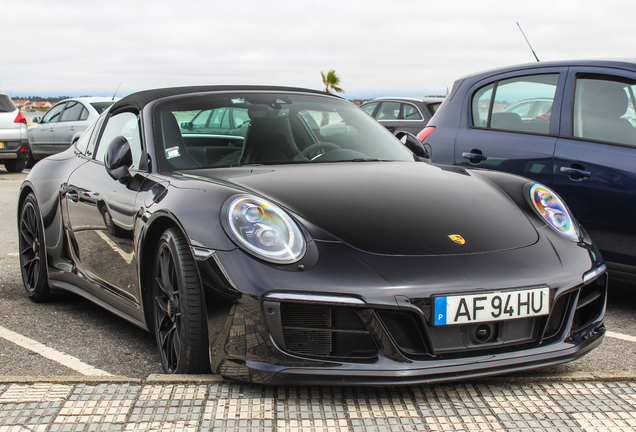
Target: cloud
point(377, 47)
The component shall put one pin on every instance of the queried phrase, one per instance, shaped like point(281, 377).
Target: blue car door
point(595, 159)
point(510, 123)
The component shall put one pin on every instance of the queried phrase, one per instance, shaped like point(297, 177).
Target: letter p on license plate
point(493, 306)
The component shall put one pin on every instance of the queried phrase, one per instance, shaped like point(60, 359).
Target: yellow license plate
point(1, 145)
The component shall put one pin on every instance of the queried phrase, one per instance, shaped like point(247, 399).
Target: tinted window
point(433, 107)
point(100, 107)
point(53, 115)
point(410, 112)
point(604, 110)
point(6, 104)
point(388, 111)
point(72, 112)
point(369, 108)
point(126, 125)
point(522, 104)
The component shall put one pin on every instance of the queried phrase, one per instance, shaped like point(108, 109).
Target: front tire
point(179, 316)
point(33, 251)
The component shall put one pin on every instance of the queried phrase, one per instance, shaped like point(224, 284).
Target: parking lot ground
point(199, 403)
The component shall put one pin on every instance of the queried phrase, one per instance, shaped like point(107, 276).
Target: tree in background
point(331, 81)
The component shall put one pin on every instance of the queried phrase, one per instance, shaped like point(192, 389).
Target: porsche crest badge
point(457, 239)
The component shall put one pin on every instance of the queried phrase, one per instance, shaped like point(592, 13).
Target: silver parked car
point(14, 145)
point(63, 124)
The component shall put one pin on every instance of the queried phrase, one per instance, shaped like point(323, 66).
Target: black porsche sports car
point(312, 248)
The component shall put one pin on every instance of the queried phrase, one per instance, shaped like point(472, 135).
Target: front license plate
point(495, 306)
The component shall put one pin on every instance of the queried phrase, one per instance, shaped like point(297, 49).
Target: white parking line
point(51, 354)
point(128, 257)
point(621, 336)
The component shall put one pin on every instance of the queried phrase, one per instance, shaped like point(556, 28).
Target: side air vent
point(555, 322)
point(325, 331)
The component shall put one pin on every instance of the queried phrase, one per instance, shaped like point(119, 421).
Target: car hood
point(394, 208)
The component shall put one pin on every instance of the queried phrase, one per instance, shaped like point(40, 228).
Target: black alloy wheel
point(32, 251)
point(180, 321)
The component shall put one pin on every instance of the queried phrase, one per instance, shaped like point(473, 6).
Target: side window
point(84, 114)
point(604, 110)
point(481, 105)
point(389, 111)
point(82, 143)
point(201, 119)
point(124, 124)
point(410, 112)
point(241, 119)
point(72, 112)
point(522, 104)
point(369, 108)
point(53, 115)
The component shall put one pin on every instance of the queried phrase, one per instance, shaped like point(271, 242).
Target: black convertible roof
point(140, 99)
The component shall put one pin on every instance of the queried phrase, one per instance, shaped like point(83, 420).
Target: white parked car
point(63, 124)
point(14, 145)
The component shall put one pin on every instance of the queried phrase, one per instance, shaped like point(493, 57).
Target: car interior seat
point(269, 140)
point(506, 121)
point(602, 120)
point(175, 150)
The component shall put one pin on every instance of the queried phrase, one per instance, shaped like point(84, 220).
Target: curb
point(160, 379)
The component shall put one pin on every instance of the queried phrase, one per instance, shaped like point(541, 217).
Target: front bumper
point(384, 372)
point(269, 331)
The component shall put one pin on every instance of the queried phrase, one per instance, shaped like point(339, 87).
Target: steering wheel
point(316, 150)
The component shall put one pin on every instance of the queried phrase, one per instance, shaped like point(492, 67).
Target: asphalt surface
point(74, 326)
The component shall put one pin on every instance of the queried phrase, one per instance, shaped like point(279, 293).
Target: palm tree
point(331, 81)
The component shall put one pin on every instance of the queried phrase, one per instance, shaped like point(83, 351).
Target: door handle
point(72, 195)
point(474, 157)
point(575, 173)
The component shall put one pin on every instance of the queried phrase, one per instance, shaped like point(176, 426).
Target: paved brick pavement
point(201, 405)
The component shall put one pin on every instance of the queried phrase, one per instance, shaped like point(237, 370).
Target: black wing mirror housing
point(118, 159)
point(413, 144)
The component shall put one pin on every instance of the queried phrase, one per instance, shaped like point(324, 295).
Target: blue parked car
point(569, 125)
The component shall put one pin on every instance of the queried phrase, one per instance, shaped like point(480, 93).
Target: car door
point(72, 123)
point(498, 138)
point(595, 159)
point(42, 135)
point(102, 213)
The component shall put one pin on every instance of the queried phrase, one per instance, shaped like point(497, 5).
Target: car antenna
point(120, 85)
point(524, 36)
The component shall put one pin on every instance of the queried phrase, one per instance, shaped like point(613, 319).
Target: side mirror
point(118, 159)
point(186, 125)
point(35, 120)
point(413, 144)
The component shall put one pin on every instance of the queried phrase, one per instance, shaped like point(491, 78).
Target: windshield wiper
point(366, 160)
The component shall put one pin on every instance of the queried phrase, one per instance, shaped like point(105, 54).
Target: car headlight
point(265, 230)
point(554, 211)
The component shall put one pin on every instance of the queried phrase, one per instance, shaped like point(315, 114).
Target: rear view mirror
point(186, 125)
point(118, 159)
point(35, 120)
point(413, 144)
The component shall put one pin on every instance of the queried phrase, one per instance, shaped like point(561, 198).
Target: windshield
point(267, 129)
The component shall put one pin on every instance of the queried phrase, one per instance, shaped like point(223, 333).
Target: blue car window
point(518, 105)
point(604, 111)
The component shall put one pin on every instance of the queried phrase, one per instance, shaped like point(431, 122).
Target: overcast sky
point(377, 47)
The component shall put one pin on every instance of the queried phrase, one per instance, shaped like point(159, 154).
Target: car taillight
point(425, 133)
point(20, 118)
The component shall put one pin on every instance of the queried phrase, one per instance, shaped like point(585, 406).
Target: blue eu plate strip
point(440, 310)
